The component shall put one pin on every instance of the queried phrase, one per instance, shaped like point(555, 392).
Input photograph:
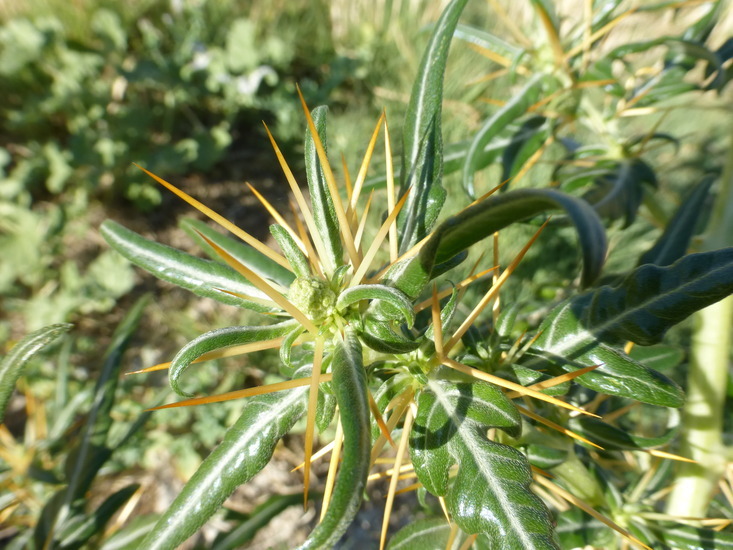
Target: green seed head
point(312, 296)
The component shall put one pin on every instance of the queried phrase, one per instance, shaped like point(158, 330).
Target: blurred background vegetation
point(90, 86)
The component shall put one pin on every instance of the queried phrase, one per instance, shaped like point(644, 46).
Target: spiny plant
point(378, 342)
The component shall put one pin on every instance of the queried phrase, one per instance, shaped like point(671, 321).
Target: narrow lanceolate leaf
point(246, 449)
point(245, 254)
point(490, 492)
point(647, 302)
point(423, 143)
point(675, 240)
point(87, 458)
point(297, 260)
point(202, 277)
point(217, 339)
point(324, 212)
point(350, 388)
point(12, 366)
point(483, 219)
point(641, 308)
point(509, 113)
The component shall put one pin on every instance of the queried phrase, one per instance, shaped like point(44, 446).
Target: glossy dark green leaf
point(324, 213)
point(490, 492)
point(675, 240)
point(202, 277)
point(246, 449)
point(422, 146)
point(245, 254)
point(483, 219)
point(12, 365)
point(545, 457)
point(515, 108)
point(221, 338)
point(647, 302)
point(693, 538)
point(260, 517)
point(618, 374)
point(641, 308)
point(350, 388)
point(618, 193)
point(296, 258)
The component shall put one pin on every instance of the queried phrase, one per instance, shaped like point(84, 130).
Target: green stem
point(703, 412)
point(702, 419)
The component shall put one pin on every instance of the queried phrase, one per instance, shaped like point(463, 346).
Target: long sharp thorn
point(374, 247)
point(493, 291)
point(396, 473)
point(263, 286)
point(221, 220)
point(299, 198)
point(239, 394)
point(338, 206)
point(311, 418)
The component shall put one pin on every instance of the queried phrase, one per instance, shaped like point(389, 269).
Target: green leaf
point(350, 388)
point(693, 538)
point(675, 240)
point(509, 113)
point(619, 192)
point(481, 220)
point(379, 336)
point(85, 460)
point(490, 492)
point(202, 277)
point(245, 254)
point(297, 260)
point(246, 449)
point(426, 534)
point(12, 365)
point(525, 142)
point(648, 301)
point(324, 213)
point(612, 438)
point(422, 145)
point(217, 339)
point(641, 309)
point(659, 357)
point(383, 293)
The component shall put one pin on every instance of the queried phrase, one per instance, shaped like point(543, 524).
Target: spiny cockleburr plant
point(356, 319)
point(352, 336)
